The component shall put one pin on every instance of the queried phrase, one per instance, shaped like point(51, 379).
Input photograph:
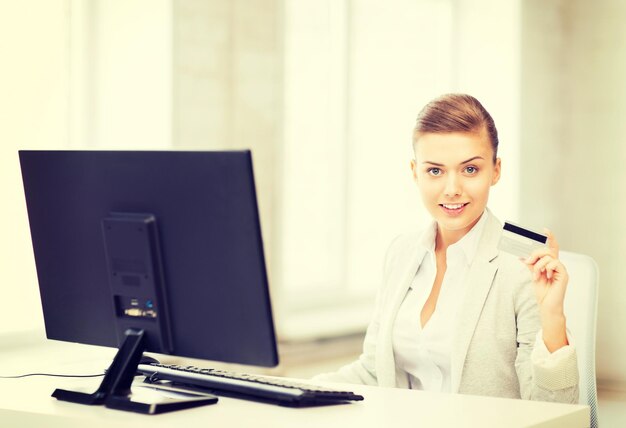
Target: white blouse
point(424, 352)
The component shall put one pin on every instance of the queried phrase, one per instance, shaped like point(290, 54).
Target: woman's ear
point(414, 169)
point(496, 171)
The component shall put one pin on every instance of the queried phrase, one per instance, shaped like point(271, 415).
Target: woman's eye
point(434, 171)
point(471, 170)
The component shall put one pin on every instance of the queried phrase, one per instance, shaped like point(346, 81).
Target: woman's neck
point(445, 238)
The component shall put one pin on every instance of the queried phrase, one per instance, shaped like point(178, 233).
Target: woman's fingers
point(552, 268)
point(538, 254)
point(540, 266)
point(547, 264)
point(552, 242)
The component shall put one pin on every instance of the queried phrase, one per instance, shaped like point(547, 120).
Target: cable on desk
point(49, 374)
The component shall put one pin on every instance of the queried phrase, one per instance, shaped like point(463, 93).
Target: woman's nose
point(453, 186)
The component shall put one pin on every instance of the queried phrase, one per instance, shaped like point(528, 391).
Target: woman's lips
point(453, 209)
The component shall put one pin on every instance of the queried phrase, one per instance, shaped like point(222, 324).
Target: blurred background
point(325, 93)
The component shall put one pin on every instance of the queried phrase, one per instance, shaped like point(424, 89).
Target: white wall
point(33, 114)
point(125, 67)
point(574, 147)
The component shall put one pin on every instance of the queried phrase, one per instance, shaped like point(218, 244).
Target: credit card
point(520, 241)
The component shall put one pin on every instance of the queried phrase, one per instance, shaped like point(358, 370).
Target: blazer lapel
point(386, 367)
point(478, 284)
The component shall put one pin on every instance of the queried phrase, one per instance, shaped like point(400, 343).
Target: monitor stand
point(115, 390)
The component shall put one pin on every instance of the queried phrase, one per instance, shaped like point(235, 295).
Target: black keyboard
point(252, 387)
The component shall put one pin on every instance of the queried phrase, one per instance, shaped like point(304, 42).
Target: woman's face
point(454, 172)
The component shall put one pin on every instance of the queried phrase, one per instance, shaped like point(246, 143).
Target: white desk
point(27, 403)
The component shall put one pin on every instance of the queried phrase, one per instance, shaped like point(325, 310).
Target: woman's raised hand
point(549, 275)
point(550, 280)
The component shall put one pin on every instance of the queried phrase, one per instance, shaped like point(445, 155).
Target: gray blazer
point(495, 333)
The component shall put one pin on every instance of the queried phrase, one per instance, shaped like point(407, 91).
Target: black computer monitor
point(149, 250)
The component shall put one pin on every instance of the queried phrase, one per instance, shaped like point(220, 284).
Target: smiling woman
point(454, 313)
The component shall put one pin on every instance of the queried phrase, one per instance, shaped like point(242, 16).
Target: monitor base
point(115, 389)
